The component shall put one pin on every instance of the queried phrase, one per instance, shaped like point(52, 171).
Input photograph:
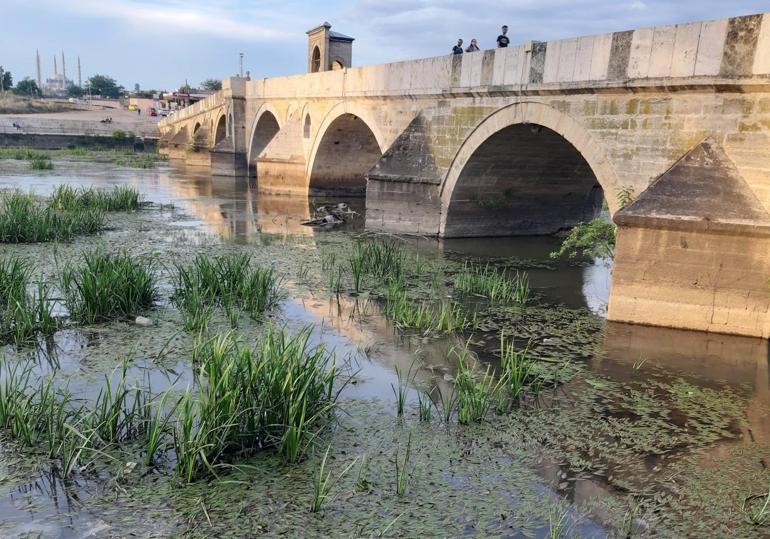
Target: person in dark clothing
point(473, 47)
point(458, 49)
point(503, 40)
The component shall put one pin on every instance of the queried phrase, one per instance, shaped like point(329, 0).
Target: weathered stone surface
point(704, 184)
point(436, 136)
point(740, 46)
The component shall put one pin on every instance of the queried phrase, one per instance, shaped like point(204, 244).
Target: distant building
point(58, 83)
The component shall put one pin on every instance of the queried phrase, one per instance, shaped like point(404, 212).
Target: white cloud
point(638, 5)
point(209, 19)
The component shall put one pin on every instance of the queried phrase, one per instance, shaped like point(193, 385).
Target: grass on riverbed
point(104, 287)
point(23, 219)
point(423, 315)
point(230, 282)
point(486, 281)
point(119, 198)
point(24, 314)
point(277, 395)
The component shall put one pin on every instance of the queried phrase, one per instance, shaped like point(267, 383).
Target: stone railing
point(211, 102)
point(711, 52)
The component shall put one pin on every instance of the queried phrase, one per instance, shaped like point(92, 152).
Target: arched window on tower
point(316, 61)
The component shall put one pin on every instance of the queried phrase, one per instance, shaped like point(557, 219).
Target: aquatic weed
point(104, 287)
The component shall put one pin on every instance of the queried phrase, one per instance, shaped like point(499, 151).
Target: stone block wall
point(708, 280)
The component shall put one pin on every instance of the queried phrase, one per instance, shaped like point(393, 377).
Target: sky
point(163, 43)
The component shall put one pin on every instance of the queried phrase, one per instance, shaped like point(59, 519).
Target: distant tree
point(75, 91)
point(211, 85)
point(7, 80)
point(105, 86)
point(147, 94)
point(27, 87)
point(185, 89)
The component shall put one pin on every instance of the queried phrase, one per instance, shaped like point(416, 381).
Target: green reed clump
point(278, 395)
point(119, 198)
point(104, 287)
point(384, 260)
point(497, 287)
point(25, 312)
point(22, 154)
point(475, 395)
point(23, 219)
point(144, 161)
point(228, 281)
point(34, 411)
point(518, 370)
point(41, 164)
point(422, 315)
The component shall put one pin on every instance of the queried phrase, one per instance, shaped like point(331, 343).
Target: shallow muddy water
point(648, 432)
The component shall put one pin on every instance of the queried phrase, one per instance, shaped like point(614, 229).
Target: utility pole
point(241, 55)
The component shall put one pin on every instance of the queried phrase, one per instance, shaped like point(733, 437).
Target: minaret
point(80, 78)
point(55, 71)
point(63, 68)
point(37, 66)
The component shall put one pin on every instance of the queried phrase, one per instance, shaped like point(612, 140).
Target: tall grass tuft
point(277, 395)
point(41, 164)
point(487, 282)
point(422, 315)
point(228, 281)
point(323, 482)
point(384, 260)
point(25, 311)
point(475, 396)
point(106, 287)
point(518, 370)
point(119, 198)
point(402, 469)
point(403, 387)
point(26, 220)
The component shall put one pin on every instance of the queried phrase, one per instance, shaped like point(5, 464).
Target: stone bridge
point(670, 126)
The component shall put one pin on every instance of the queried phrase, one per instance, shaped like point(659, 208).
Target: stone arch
point(525, 169)
point(196, 127)
point(347, 145)
point(266, 127)
point(307, 125)
point(221, 130)
point(337, 63)
point(315, 60)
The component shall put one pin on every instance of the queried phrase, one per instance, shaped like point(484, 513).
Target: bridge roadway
point(530, 140)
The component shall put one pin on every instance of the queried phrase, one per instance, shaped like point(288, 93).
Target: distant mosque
point(57, 84)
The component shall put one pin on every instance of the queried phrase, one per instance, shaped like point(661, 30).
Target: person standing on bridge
point(473, 47)
point(458, 49)
point(503, 40)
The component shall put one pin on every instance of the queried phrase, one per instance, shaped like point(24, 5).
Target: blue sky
point(161, 44)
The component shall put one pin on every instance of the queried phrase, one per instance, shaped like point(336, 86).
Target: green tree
point(595, 239)
point(74, 91)
point(104, 86)
point(27, 87)
point(211, 85)
point(7, 80)
point(185, 89)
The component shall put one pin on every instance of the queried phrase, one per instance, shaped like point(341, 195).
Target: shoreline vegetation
point(43, 159)
point(226, 412)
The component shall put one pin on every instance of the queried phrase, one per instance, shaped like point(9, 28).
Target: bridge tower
point(328, 50)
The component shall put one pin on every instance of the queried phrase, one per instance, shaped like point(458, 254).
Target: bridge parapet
point(722, 52)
